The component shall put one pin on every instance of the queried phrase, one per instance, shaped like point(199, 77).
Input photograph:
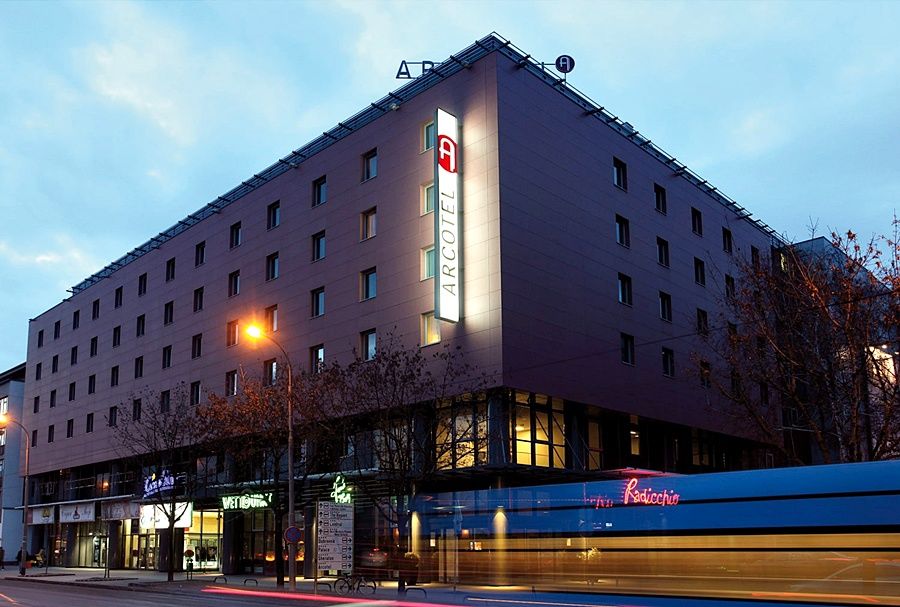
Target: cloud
point(60, 259)
point(758, 131)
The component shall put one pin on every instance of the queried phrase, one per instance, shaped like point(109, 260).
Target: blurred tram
point(819, 534)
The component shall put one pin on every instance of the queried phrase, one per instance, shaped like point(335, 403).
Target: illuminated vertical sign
point(447, 285)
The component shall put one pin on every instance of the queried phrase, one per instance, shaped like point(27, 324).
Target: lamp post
point(6, 420)
point(255, 332)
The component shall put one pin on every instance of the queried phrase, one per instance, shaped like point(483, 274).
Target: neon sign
point(154, 484)
point(446, 217)
point(648, 496)
point(340, 491)
point(247, 501)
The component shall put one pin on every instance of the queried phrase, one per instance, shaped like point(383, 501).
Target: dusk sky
point(117, 119)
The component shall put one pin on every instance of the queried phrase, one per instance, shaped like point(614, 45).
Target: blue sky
point(117, 119)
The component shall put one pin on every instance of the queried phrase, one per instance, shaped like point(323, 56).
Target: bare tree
point(809, 348)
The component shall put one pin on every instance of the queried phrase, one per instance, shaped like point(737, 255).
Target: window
point(165, 400)
point(626, 343)
point(668, 362)
point(140, 325)
point(699, 272)
point(273, 215)
point(660, 194)
point(95, 309)
point(197, 345)
point(320, 191)
point(71, 391)
point(696, 221)
point(169, 313)
point(730, 289)
point(231, 333)
point(702, 322)
point(70, 428)
point(234, 235)
point(34, 435)
point(199, 253)
point(198, 299)
point(625, 289)
point(763, 393)
point(231, 383)
point(142, 284)
point(36, 407)
point(73, 355)
point(270, 372)
point(54, 363)
point(318, 301)
point(428, 136)
point(431, 329)
point(271, 318)
point(56, 329)
point(136, 410)
point(40, 343)
point(370, 164)
point(113, 418)
point(620, 174)
point(114, 376)
point(37, 371)
point(539, 430)
point(754, 257)
point(195, 393)
point(92, 383)
point(317, 358)
point(318, 246)
point(272, 266)
point(50, 433)
point(117, 336)
point(634, 434)
point(727, 244)
point(428, 198)
point(118, 297)
point(95, 341)
point(705, 380)
point(368, 224)
point(139, 367)
point(367, 344)
point(623, 235)
point(76, 318)
point(662, 251)
point(89, 423)
point(166, 357)
point(429, 259)
point(665, 306)
point(234, 283)
point(369, 282)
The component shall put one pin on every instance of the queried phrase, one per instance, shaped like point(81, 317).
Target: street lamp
point(6, 420)
point(255, 332)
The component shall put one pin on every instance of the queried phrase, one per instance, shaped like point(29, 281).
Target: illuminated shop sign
point(247, 501)
point(155, 483)
point(340, 490)
point(636, 495)
point(156, 516)
point(447, 285)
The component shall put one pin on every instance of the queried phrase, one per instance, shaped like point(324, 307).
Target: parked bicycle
point(358, 584)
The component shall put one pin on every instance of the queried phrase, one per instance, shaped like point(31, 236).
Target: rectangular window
point(95, 346)
point(665, 306)
point(754, 257)
point(270, 372)
point(662, 252)
point(705, 373)
point(197, 345)
point(89, 423)
point(634, 434)
point(763, 393)
point(136, 406)
point(200, 253)
point(699, 272)
point(113, 418)
point(40, 341)
point(56, 329)
point(70, 428)
point(139, 367)
point(660, 194)
point(140, 326)
point(318, 246)
point(730, 288)
point(165, 400)
point(34, 435)
point(198, 299)
point(368, 224)
point(117, 336)
point(620, 174)
point(54, 363)
point(52, 398)
point(73, 355)
point(428, 198)
point(36, 407)
point(234, 235)
point(623, 234)
point(166, 357)
point(37, 371)
point(76, 318)
point(231, 333)
point(273, 215)
point(272, 266)
point(370, 164)
point(118, 297)
point(320, 191)
point(195, 393)
point(428, 136)
point(369, 280)
point(625, 289)
point(271, 317)
point(114, 377)
point(431, 329)
point(169, 313)
point(50, 433)
point(318, 301)
point(92, 383)
point(702, 322)
point(71, 391)
point(696, 221)
point(429, 259)
point(727, 244)
point(95, 309)
point(668, 362)
point(231, 383)
point(234, 283)
point(626, 343)
point(142, 284)
point(317, 358)
point(367, 344)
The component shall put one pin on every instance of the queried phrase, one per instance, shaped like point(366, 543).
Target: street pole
point(23, 552)
point(292, 546)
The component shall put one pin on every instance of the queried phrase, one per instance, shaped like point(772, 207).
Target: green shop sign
point(246, 501)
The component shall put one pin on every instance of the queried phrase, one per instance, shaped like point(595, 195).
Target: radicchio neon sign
point(637, 496)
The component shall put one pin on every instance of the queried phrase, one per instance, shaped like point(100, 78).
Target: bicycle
point(359, 584)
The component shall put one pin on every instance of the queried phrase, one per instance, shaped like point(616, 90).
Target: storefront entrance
point(143, 551)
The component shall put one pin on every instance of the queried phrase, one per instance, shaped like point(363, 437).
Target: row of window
point(625, 291)
point(623, 232)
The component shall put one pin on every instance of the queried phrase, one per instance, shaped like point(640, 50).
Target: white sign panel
point(334, 537)
point(76, 513)
point(154, 516)
point(119, 511)
point(41, 515)
point(447, 285)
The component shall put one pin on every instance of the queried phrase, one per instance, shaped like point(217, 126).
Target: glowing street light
point(5, 421)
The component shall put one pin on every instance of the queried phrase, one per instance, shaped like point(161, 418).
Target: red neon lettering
point(446, 151)
point(648, 496)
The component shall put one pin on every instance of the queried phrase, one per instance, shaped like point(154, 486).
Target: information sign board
point(334, 536)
